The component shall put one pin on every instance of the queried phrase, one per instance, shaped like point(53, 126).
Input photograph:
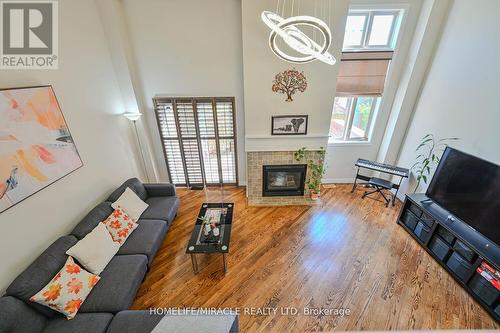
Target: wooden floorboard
point(346, 252)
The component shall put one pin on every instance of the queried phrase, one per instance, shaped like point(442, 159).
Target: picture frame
point(38, 148)
point(289, 125)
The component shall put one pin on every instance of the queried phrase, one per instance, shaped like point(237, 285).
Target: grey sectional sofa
point(103, 310)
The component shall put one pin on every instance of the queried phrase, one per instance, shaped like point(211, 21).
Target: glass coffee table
point(212, 232)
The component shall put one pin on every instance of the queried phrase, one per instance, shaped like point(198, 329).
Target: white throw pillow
point(131, 204)
point(95, 250)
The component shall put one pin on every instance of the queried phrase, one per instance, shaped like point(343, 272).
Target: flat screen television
point(469, 187)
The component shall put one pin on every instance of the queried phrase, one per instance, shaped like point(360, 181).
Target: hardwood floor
point(345, 253)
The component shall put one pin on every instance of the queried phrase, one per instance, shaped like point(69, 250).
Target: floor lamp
point(133, 117)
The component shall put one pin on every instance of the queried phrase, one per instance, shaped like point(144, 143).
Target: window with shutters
point(199, 139)
point(369, 41)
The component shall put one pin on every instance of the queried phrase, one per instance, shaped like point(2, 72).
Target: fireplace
point(283, 180)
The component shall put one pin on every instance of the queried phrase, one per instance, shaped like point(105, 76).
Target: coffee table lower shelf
point(222, 214)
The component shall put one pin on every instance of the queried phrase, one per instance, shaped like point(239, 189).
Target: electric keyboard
point(391, 169)
point(381, 167)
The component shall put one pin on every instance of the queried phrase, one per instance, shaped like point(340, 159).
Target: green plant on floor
point(316, 168)
point(429, 151)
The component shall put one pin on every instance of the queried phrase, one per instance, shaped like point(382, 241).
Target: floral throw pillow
point(67, 291)
point(120, 225)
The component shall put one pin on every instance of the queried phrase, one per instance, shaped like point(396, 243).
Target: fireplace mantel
point(276, 143)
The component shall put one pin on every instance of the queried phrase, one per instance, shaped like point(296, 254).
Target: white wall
point(188, 48)
point(427, 34)
point(461, 92)
point(87, 91)
point(116, 33)
point(261, 66)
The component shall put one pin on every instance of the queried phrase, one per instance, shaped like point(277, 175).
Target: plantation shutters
point(199, 139)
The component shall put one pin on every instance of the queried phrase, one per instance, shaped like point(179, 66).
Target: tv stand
point(461, 250)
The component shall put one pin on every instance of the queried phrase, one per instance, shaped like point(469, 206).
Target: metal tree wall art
point(289, 82)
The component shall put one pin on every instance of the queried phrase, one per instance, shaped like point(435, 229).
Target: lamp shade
point(132, 116)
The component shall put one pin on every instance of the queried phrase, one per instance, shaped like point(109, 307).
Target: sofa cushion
point(146, 239)
point(82, 323)
point(17, 317)
point(160, 190)
point(40, 272)
point(89, 222)
point(134, 322)
point(134, 184)
point(161, 208)
point(118, 285)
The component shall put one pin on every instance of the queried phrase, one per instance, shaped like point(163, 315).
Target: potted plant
point(316, 171)
point(428, 158)
point(314, 189)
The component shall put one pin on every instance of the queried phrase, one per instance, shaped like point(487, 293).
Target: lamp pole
point(140, 149)
point(133, 117)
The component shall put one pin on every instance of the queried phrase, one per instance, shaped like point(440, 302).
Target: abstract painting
point(36, 147)
point(289, 125)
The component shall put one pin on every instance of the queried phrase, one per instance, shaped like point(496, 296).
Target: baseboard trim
point(400, 196)
point(338, 181)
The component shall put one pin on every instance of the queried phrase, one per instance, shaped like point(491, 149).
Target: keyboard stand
point(367, 179)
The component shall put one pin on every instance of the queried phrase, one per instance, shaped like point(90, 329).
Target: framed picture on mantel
point(289, 125)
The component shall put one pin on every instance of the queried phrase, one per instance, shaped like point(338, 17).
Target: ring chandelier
point(289, 31)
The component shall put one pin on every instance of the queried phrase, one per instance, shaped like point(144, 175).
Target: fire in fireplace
point(283, 180)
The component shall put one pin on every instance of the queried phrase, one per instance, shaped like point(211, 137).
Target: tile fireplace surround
point(256, 160)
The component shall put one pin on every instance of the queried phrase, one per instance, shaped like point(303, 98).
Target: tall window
point(199, 139)
point(369, 40)
point(352, 118)
point(371, 30)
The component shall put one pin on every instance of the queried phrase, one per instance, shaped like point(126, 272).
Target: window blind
point(363, 73)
